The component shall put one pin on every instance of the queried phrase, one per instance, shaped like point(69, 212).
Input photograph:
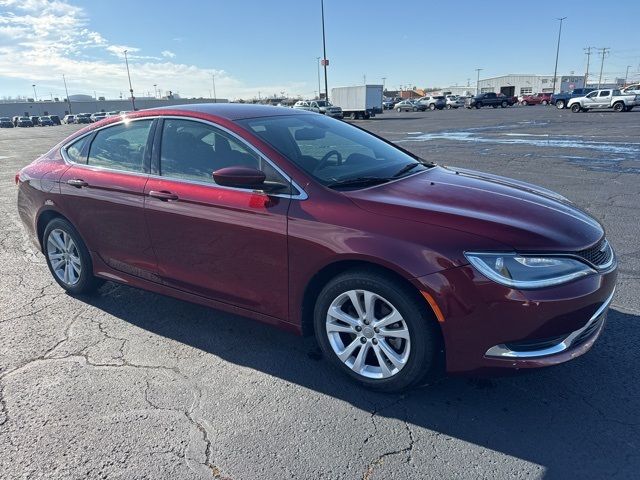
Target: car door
point(604, 99)
point(227, 244)
point(591, 100)
point(103, 194)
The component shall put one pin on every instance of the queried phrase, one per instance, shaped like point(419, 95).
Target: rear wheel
point(432, 106)
point(560, 104)
point(545, 103)
point(398, 110)
point(575, 108)
point(524, 103)
point(479, 105)
point(377, 331)
point(68, 259)
point(504, 104)
point(618, 107)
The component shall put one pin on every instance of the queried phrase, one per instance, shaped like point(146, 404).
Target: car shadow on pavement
point(577, 420)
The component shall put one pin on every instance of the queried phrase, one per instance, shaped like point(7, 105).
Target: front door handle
point(77, 182)
point(163, 195)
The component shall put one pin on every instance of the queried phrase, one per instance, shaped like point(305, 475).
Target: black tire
point(86, 282)
point(425, 356)
point(560, 104)
point(415, 109)
point(545, 103)
point(495, 106)
point(398, 109)
point(367, 116)
point(618, 106)
point(354, 115)
point(479, 105)
point(449, 107)
point(575, 108)
point(432, 106)
point(504, 104)
point(524, 103)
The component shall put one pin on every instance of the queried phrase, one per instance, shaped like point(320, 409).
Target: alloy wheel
point(64, 257)
point(368, 334)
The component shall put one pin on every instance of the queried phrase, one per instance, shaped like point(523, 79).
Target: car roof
point(229, 111)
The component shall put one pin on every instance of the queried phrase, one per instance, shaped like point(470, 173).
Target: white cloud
point(41, 40)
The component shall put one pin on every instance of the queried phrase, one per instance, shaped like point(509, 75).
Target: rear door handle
point(77, 182)
point(163, 195)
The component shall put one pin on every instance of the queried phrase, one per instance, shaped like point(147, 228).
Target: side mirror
point(239, 177)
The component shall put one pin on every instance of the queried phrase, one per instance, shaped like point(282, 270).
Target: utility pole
point(555, 71)
point(626, 75)
point(67, 92)
point(383, 80)
point(213, 81)
point(478, 70)
point(603, 52)
point(155, 91)
point(133, 100)
point(586, 74)
point(364, 78)
point(318, 68)
point(35, 95)
point(325, 62)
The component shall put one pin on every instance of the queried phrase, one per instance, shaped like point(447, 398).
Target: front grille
point(598, 255)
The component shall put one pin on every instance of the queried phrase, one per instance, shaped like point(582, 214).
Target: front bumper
point(488, 328)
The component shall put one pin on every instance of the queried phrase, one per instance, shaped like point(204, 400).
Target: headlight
point(527, 272)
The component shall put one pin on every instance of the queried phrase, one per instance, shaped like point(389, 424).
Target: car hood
point(512, 213)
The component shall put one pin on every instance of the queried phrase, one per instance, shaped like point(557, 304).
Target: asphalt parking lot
point(129, 384)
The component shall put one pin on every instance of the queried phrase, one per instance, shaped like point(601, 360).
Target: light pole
point(67, 92)
point(555, 71)
point(325, 62)
point(133, 100)
point(318, 68)
point(586, 74)
point(383, 80)
point(213, 81)
point(35, 95)
point(155, 91)
point(478, 70)
point(626, 75)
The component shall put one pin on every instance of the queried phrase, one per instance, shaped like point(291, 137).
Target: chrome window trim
point(502, 351)
point(302, 195)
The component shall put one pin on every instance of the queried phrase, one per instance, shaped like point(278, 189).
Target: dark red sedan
point(399, 267)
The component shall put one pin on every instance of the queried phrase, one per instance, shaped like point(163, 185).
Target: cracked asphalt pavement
point(129, 384)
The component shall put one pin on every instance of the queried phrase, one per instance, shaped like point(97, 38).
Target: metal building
point(524, 84)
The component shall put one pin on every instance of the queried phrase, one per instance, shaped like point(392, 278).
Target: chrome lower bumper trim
point(502, 351)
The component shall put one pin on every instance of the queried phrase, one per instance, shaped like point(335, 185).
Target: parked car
point(96, 117)
point(388, 104)
point(486, 100)
point(406, 106)
point(633, 89)
point(433, 102)
point(35, 120)
point(55, 119)
point(24, 122)
point(69, 119)
point(82, 118)
point(536, 99)
point(5, 122)
point(400, 267)
point(454, 101)
point(560, 100)
point(45, 121)
point(604, 99)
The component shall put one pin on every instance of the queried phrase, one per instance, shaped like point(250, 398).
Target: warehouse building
point(522, 84)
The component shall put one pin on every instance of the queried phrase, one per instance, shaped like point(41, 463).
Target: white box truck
point(362, 101)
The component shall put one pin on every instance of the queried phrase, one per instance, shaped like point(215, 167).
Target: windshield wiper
point(407, 168)
point(358, 182)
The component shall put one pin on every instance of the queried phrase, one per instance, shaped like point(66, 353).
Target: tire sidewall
point(424, 339)
point(87, 281)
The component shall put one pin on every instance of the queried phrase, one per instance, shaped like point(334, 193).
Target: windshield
point(4, 119)
point(332, 151)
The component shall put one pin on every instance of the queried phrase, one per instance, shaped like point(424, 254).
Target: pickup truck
point(601, 99)
point(485, 100)
point(561, 100)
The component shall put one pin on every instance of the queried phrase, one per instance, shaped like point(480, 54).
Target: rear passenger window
point(193, 151)
point(121, 147)
point(77, 152)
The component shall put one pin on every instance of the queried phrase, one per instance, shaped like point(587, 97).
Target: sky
point(266, 47)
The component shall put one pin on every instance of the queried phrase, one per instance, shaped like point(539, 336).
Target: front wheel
point(448, 107)
point(68, 258)
point(545, 103)
point(524, 103)
point(398, 110)
point(377, 331)
point(575, 108)
point(432, 106)
point(504, 104)
point(478, 105)
point(560, 104)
